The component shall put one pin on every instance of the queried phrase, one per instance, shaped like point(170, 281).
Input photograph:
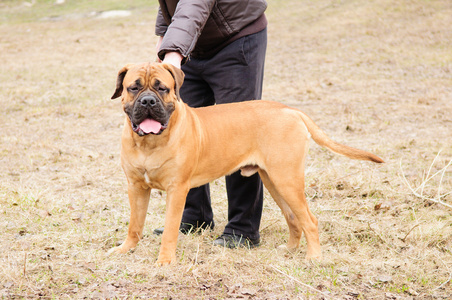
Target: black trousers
point(234, 74)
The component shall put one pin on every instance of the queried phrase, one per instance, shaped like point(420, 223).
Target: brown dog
point(169, 146)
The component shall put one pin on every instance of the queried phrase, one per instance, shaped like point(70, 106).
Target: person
point(220, 46)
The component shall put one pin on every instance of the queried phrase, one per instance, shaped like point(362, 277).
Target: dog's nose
point(148, 101)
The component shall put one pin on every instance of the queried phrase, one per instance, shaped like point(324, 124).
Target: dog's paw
point(285, 249)
point(165, 260)
point(313, 257)
point(113, 251)
point(118, 250)
point(282, 248)
point(161, 263)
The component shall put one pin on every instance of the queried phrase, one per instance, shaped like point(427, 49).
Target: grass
point(16, 12)
point(373, 74)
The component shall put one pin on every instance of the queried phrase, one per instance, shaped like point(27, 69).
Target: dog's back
point(271, 118)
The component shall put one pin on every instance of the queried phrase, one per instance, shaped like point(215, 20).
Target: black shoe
point(235, 241)
point(185, 228)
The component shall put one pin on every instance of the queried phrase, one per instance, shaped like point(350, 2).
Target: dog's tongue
point(150, 125)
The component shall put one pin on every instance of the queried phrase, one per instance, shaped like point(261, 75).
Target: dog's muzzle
point(148, 116)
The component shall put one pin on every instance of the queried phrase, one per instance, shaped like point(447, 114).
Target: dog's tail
point(323, 140)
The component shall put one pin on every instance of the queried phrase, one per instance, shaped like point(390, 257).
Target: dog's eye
point(133, 89)
point(163, 89)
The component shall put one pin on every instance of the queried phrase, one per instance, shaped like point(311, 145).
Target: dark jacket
point(198, 27)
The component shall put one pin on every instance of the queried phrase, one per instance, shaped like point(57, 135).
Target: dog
point(170, 146)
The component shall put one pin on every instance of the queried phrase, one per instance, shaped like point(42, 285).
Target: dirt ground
point(376, 75)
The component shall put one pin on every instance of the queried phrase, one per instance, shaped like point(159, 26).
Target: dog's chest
point(147, 180)
point(146, 168)
point(152, 177)
point(155, 172)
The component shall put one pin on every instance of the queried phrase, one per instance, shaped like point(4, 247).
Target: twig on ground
point(420, 194)
point(312, 197)
point(195, 260)
point(409, 231)
point(269, 225)
point(422, 186)
point(302, 283)
point(331, 209)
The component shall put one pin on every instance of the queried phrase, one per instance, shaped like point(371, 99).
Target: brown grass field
point(376, 75)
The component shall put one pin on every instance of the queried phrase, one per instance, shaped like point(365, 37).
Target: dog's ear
point(121, 74)
point(178, 76)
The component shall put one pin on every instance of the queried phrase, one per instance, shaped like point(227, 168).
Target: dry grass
point(374, 74)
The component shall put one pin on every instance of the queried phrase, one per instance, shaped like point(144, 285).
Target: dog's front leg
point(139, 200)
point(175, 203)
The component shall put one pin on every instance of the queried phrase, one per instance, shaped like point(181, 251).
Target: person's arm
point(160, 24)
point(185, 28)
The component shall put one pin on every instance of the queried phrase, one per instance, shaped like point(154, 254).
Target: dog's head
point(149, 93)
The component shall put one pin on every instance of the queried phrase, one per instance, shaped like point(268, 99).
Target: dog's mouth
point(148, 126)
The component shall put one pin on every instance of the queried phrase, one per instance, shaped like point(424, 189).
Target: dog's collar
point(140, 132)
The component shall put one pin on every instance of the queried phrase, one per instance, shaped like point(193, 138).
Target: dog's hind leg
point(295, 230)
point(289, 195)
point(295, 198)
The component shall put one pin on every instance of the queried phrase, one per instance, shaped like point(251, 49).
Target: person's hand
point(174, 58)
